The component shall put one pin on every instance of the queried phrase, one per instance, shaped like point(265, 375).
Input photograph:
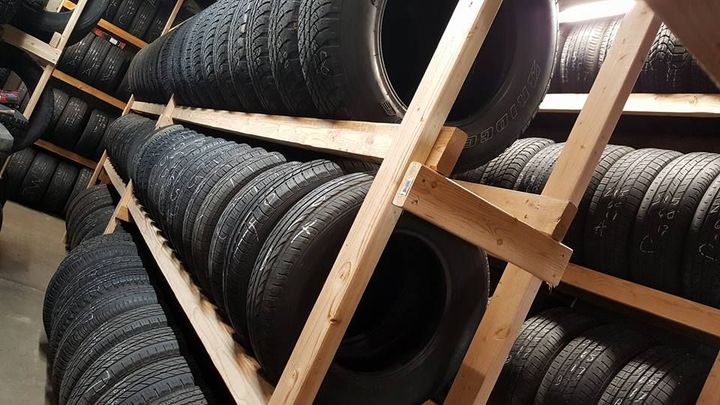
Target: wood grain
point(86, 88)
point(69, 155)
point(662, 105)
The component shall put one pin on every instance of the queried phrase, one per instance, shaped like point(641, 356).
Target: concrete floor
point(31, 248)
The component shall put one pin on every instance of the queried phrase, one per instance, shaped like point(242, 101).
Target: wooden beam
point(547, 214)
point(376, 219)
point(69, 155)
point(37, 92)
point(84, 87)
point(118, 32)
point(695, 316)
point(446, 204)
point(128, 105)
point(99, 168)
point(517, 289)
point(147, 108)
point(70, 27)
point(165, 118)
point(662, 105)
point(711, 390)
point(173, 16)
point(235, 366)
point(115, 178)
point(695, 23)
point(121, 212)
point(30, 44)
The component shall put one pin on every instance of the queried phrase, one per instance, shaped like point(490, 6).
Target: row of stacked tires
point(669, 67)
point(648, 215)
point(351, 60)
point(88, 213)
point(144, 19)
point(259, 235)
point(76, 127)
point(98, 62)
point(42, 181)
point(112, 334)
point(567, 356)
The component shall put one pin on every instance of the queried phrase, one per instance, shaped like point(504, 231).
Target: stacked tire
point(97, 62)
point(142, 18)
point(88, 214)
point(75, 126)
point(110, 340)
point(248, 225)
point(669, 67)
point(648, 215)
point(563, 356)
point(38, 180)
point(351, 60)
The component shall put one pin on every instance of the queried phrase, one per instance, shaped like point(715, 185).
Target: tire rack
point(520, 228)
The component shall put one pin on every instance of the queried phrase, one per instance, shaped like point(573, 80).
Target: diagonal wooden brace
point(121, 212)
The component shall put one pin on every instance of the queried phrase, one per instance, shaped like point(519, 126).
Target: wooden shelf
point(42, 50)
point(113, 29)
point(51, 147)
point(235, 366)
point(666, 105)
point(86, 88)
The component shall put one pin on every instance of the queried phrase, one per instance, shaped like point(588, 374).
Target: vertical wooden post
point(572, 173)
point(65, 37)
point(173, 15)
point(414, 140)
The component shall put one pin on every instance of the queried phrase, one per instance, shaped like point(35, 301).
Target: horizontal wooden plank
point(30, 44)
point(667, 306)
point(235, 366)
point(665, 105)
point(446, 204)
point(86, 88)
point(117, 32)
point(51, 147)
point(362, 140)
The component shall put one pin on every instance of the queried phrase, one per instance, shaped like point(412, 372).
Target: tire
point(700, 270)
point(667, 67)
point(191, 395)
point(220, 14)
point(238, 48)
point(37, 179)
point(614, 206)
point(93, 225)
point(43, 24)
point(212, 207)
point(661, 375)
point(17, 168)
point(152, 151)
point(16, 125)
point(60, 187)
point(73, 56)
point(83, 208)
point(191, 94)
point(81, 183)
point(111, 10)
point(91, 136)
point(284, 58)
point(72, 119)
point(143, 19)
point(123, 359)
point(256, 221)
point(8, 8)
point(222, 58)
point(405, 343)
point(258, 27)
point(60, 100)
point(93, 60)
point(341, 61)
point(541, 338)
point(112, 70)
point(504, 170)
point(109, 334)
point(126, 13)
point(156, 26)
point(581, 56)
point(588, 364)
point(664, 219)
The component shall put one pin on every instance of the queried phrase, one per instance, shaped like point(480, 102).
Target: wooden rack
point(521, 228)
point(113, 29)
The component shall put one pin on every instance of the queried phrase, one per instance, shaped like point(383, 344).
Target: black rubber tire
point(91, 136)
point(43, 24)
point(105, 337)
point(284, 58)
point(191, 395)
point(504, 170)
point(151, 382)
point(664, 219)
point(152, 151)
point(93, 225)
point(60, 187)
point(132, 354)
point(194, 59)
point(261, 75)
point(16, 170)
point(661, 375)
point(256, 221)
point(8, 8)
point(700, 271)
point(222, 58)
point(156, 26)
point(143, 18)
point(219, 14)
point(541, 339)
point(668, 65)
point(16, 125)
point(349, 74)
point(72, 120)
point(238, 49)
point(112, 70)
point(60, 100)
point(614, 206)
point(403, 345)
point(581, 55)
point(111, 10)
point(126, 13)
point(83, 208)
point(213, 206)
point(588, 364)
point(191, 92)
point(73, 55)
point(81, 183)
point(37, 179)
point(93, 60)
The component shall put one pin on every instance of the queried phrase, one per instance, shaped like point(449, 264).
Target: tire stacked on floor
point(563, 356)
point(110, 340)
point(248, 225)
point(97, 62)
point(669, 67)
point(647, 215)
point(42, 181)
point(330, 60)
point(75, 127)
